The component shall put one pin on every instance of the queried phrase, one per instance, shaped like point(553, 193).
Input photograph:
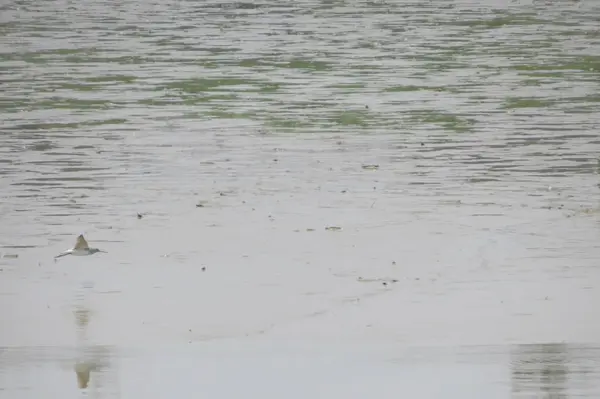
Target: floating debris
point(370, 167)
point(590, 211)
point(10, 256)
point(139, 216)
point(333, 228)
point(203, 268)
point(309, 230)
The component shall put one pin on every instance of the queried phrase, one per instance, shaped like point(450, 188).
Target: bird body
point(81, 248)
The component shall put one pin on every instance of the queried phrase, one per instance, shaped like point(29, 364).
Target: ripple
point(483, 122)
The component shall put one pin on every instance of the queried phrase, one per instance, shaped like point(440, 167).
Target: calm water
point(338, 199)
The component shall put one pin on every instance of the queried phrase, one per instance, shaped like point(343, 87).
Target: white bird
point(81, 248)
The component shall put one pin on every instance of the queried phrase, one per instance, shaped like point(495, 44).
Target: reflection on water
point(549, 371)
point(555, 370)
point(83, 367)
point(83, 374)
point(93, 363)
point(95, 370)
point(30, 372)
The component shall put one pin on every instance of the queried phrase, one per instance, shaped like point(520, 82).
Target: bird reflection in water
point(83, 374)
point(83, 368)
point(92, 362)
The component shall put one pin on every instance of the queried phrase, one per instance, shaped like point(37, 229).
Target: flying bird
point(81, 248)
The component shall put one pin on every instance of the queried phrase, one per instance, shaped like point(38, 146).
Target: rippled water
point(387, 198)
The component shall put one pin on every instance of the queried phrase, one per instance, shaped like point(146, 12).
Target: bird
point(81, 248)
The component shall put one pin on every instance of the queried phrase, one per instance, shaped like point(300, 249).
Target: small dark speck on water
point(366, 107)
point(422, 144)
point(139, 216)
point(384, 283)
point(199, 206)
point(393, 262)
point(203, 268)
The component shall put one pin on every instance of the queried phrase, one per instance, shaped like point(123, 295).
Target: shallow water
point(232, 369)
point(387, 198)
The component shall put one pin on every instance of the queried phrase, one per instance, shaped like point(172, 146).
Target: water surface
point(388, 198)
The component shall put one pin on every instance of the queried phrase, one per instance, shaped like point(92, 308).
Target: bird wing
point(81, 243)
point(64, 253)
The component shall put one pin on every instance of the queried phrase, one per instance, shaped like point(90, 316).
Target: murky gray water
point(454, 144)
